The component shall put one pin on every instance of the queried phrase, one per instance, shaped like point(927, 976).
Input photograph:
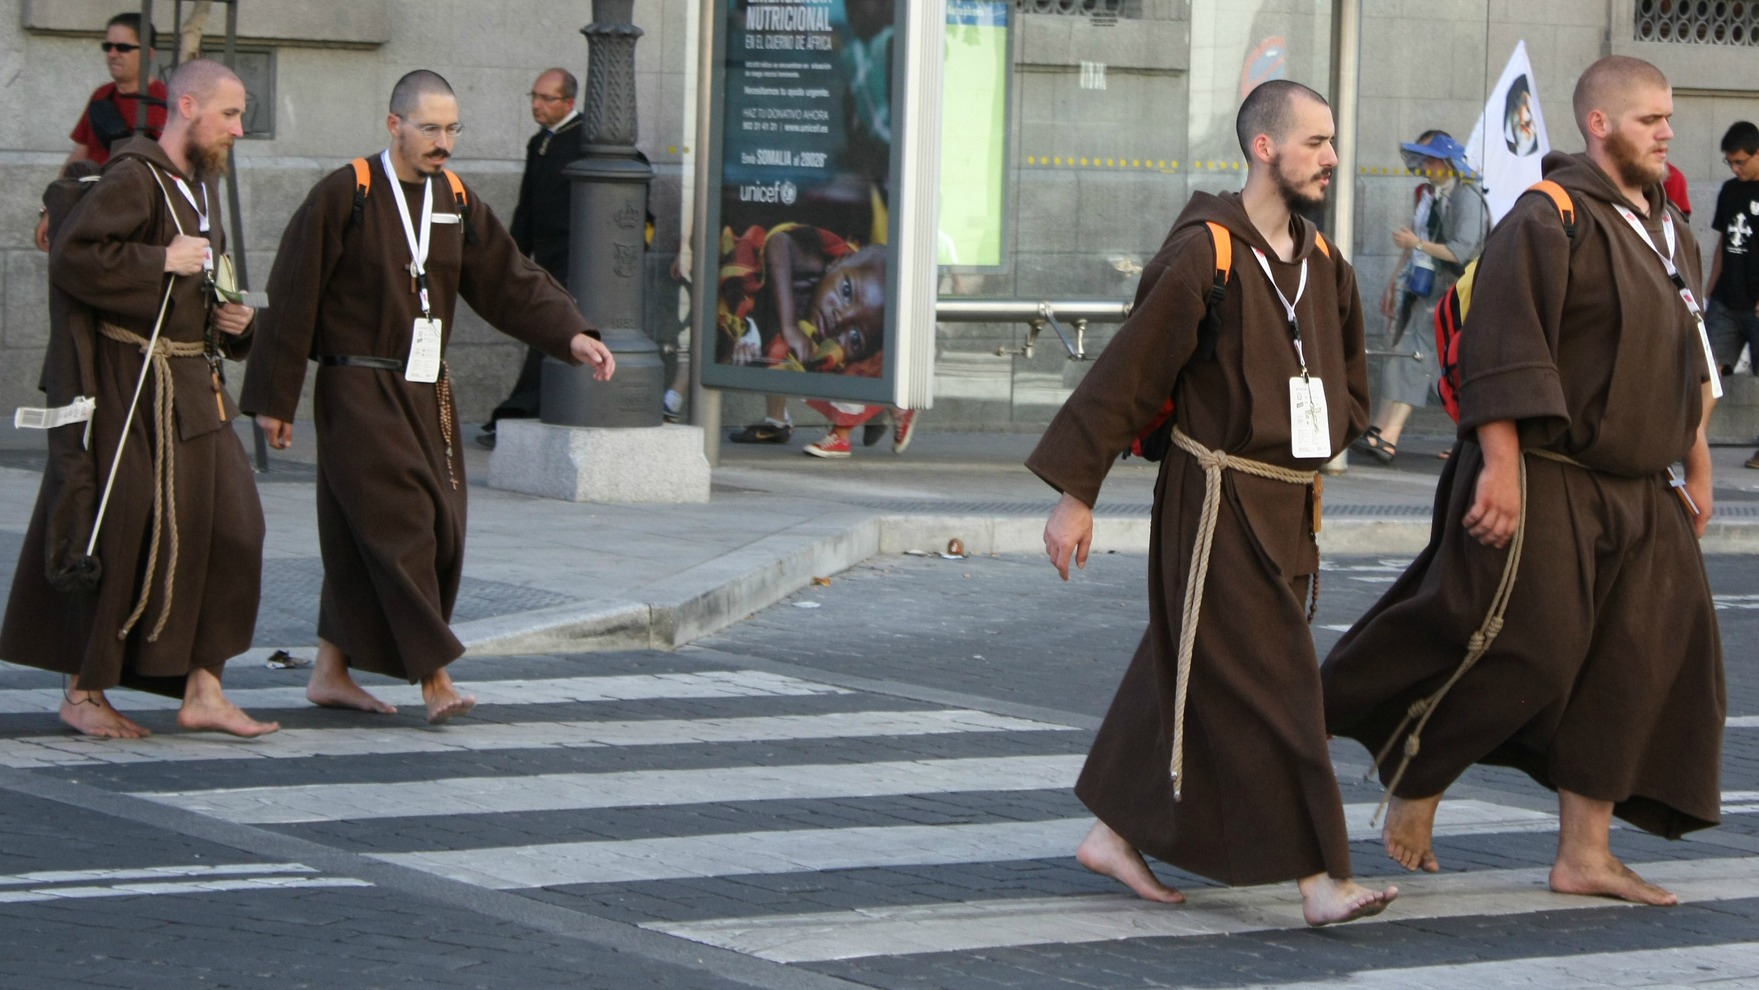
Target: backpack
point(1451, 308)
point(363, 184)
point(1156, 438)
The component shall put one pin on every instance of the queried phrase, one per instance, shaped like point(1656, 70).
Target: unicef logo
point(788, 193)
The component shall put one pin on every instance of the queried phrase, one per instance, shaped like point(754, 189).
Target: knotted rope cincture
point(1213, 463)
point(1476, 647)
point(158, 353)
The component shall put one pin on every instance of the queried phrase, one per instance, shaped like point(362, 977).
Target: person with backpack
point(1560, 621)
point(143, 559)
point(1446, 233)
point(1213, 756)
point(113, 110)
point(366, 283)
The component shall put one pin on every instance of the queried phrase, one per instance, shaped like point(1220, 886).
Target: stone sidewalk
point(545, 576)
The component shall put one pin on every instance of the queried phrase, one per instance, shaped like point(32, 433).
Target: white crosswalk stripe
point(64, 885)
point(1000, 923)
point(629, 687)
point(640, 788)
point(64, 750)
point(813, 850)
point(1723, 967)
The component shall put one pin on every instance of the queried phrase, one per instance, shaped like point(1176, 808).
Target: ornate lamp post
point(608, 239)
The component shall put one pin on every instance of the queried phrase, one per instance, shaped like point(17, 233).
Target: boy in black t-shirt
point(1732, 318)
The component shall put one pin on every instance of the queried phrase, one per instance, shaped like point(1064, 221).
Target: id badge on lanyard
point(426, 342)
point(1679, 282)
point(1309, 422)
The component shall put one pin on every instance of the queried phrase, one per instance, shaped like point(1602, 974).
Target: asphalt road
point(865, 785)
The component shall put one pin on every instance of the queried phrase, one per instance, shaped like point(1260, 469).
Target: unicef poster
point(806, 166)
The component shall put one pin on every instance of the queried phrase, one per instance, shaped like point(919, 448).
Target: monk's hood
point(1227, 210)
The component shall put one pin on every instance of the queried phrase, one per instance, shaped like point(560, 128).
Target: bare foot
point(1105, 852)
point(89, 713)
point(1607, 877)
point(444, 701)
point(344, 694)
point(1409, 832)
point(332, 686)
point(211, 714)
point(1328, 901)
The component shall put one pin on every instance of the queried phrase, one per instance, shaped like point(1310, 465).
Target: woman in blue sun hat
point(1446, 232)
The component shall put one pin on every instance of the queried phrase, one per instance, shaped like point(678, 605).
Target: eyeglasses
point(433, 131)
point(120, 47)
point(547, 99)
point(1740, 162)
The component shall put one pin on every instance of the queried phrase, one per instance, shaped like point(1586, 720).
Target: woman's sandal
point(1376, 446)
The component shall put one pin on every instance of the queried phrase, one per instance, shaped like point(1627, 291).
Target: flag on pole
point(1509, 139)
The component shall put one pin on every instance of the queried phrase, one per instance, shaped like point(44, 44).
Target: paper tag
point(1309, 426)
point(424, 353)
point(80, 410)
point(445, 218)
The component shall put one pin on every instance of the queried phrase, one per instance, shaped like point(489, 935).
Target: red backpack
point(1450, 309)
point(1156, 438)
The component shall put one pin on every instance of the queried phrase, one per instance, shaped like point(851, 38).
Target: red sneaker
point(830, 445)
point(903, 430)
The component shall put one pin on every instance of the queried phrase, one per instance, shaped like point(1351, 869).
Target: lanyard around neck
point(201, 211)
point(418, 246)
point(1288, 307)
point(1679, 283)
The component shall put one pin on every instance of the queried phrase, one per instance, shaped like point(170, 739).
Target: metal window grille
point(1698, 22)
point(1099, 10)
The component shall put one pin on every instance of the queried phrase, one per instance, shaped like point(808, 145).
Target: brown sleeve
point(1134, 375)
point(105, 255)
point(1355, 349)
point(1508, 347)
point(311, 247)
point(513, 294)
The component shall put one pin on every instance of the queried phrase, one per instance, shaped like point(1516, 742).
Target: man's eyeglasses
point(546, 99)
point(433, 131)
point(1740, 162)
point(120, 47)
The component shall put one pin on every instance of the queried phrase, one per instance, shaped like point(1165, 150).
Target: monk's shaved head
point(1610, 84)
point(198, 77)
point(407, 94)
point(1270, 109)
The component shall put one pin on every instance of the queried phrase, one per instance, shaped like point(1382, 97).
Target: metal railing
point(1037, 315)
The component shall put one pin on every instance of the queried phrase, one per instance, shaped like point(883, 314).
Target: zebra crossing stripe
point(640, 788)
point(1714, 966)
point(622, 687)
point(994, 924)
point(813, 850)
point(33, 752)
point(60, 885)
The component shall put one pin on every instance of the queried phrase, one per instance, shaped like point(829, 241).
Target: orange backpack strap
point(462, 201)
point(1224, 262)
point(1566, 207)
point(363, 184)
point(1320, 242)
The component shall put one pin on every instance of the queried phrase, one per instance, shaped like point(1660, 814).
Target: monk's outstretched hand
point(1068, 534)
point(590, 350)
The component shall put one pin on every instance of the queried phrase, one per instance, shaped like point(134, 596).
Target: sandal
point(1376, 446)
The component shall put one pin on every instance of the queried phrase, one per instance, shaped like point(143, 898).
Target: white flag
point(1509, 139)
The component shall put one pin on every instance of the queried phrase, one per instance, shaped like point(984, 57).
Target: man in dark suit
point(541, 219)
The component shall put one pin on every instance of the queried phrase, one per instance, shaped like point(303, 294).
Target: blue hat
point(1445, 148)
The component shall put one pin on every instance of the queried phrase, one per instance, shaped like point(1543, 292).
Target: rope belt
point(1476, 647)
point(1213, 463)
point(164, 465)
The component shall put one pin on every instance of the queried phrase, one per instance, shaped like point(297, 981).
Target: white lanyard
point(418, 247)
point(1288, 307)
point(201, 211)
point(1673, 274)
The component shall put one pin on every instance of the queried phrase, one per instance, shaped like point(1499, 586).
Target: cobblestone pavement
point(865, 785)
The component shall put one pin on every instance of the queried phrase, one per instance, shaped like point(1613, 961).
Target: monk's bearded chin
point(1632, 168)
point(204, 161)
